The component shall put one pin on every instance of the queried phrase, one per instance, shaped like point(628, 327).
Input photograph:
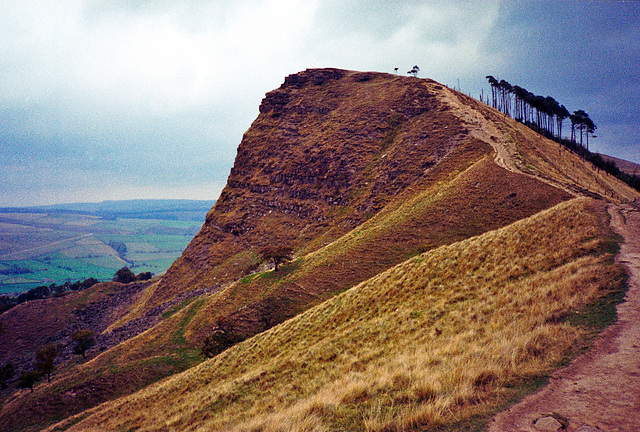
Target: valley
point(44, 246)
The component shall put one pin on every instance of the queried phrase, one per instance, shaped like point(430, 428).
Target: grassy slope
point(157, 353)
point(440, 338)
point(475, 199)
point(34, 324)
point(471, 196)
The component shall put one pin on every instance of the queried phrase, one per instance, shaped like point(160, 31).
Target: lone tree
point(124, 275)
point(276, 254)
point(45, 360)
point(28, 379)
point(224, 336)
point(84, 340)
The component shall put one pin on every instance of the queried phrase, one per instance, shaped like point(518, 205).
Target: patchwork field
point(52, 245)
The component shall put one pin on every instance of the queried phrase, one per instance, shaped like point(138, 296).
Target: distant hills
point(172, 209)
point(625, 166)
point(62, 243)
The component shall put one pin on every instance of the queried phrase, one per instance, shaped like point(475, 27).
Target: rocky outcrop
point(329, 149)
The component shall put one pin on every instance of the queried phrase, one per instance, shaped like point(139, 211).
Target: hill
point(418, 345)
point(625, 166)
point(413, 211)
point(170, 209)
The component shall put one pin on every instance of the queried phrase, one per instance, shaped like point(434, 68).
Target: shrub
point(45, 360)
point(6, 373)
point(28, 379)
point(84, 340)
point(223, 336)
point(124, 275)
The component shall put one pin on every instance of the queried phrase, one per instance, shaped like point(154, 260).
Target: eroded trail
point(600, 390)
point(483, 130)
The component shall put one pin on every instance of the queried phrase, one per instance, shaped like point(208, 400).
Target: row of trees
point(123, 275)
point(543, 113)
point(44, 291)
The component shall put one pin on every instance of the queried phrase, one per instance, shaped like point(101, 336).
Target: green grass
point(178, 336)
point(148, 249)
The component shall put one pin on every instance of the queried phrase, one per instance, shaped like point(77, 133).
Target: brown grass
point(470, 200)
point(436, 340)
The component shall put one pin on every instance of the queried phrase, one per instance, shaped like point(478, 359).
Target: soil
point(599, 390)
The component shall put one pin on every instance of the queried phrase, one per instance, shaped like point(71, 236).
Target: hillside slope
point(329, 150)
point(444, 336)
point(358, 172)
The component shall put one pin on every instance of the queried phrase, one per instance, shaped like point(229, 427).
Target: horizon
point(116, 101)
point(107, 201)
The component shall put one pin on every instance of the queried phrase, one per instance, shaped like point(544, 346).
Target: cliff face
point(329, 149)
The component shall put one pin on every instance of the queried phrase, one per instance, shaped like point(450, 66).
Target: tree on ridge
point(276, 254)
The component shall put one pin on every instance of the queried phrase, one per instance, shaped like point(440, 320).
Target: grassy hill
point(443, 265)
point(440, 339)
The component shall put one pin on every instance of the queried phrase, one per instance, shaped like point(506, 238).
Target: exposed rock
point(548, 424)
point(329, 150)
point(589, 428)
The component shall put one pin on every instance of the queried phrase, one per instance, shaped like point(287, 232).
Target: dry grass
point(535, 155)
point(432, 342)
point(472, 195)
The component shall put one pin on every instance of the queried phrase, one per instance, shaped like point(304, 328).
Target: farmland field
point(47, 245)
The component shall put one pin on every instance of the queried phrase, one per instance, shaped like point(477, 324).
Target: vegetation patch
point(178, 337)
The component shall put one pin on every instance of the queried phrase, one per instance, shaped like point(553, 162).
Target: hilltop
point(422, 222)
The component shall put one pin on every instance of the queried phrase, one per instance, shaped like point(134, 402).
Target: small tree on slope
point(276, 254)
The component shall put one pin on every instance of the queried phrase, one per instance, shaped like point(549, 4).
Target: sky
point(123, 99)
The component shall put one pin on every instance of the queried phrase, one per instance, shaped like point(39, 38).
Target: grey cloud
point(152, 97)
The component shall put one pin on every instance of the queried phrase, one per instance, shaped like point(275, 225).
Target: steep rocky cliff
point(328, 151)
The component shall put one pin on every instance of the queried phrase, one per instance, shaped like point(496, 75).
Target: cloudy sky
point(121, 99)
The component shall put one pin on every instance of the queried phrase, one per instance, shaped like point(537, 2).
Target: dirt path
point(482, 129)
point(600, 390)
